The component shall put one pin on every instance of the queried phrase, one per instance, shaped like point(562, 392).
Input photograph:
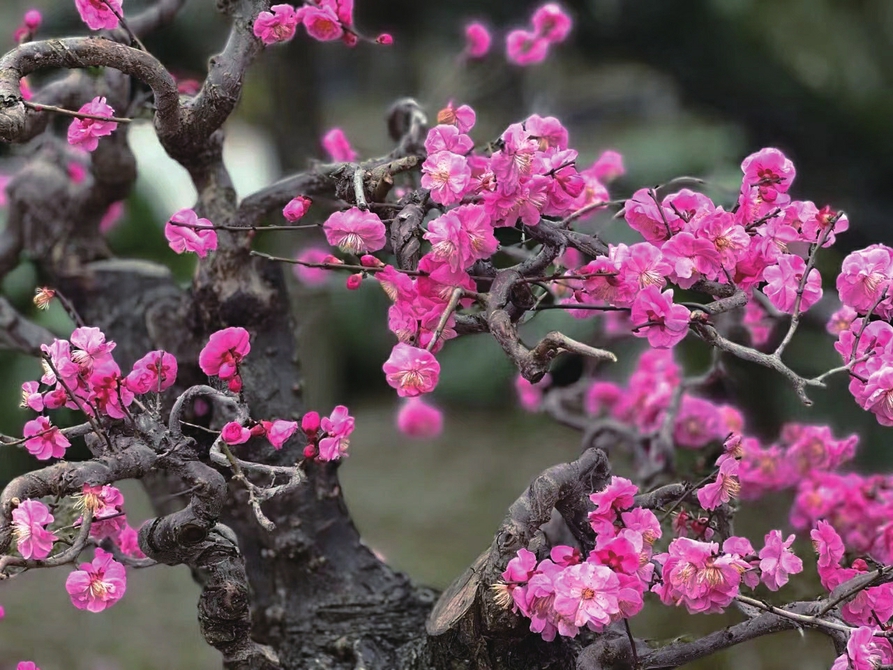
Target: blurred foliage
point(677, 87)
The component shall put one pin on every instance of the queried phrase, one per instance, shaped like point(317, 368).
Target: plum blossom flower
point(417, 418)
point(784, 280)
point(106, 504)
point(769, 171)
point(477, 40)
point(864, 276)
point(828, 545)
point(185, 231)
point(608, 166)
point(277, 25)
point(322, 21)
point(31, 396)
point(234, 433)
point(655, 316)
point(156, 371)
point(224, 352)
point(551, 22)
point(777, 561)
point(97, 585)
point(530, 395)
point(45, 440)
point(85, 133)
point(296, 208)
point(355, 231)
point(311, 276)
point(411, 370)
point(463, 117)
point(447, 175)
point(33, 540)
point(335, 142)
point(587, 594)
point(98, 15)
point(525, 48)
point(696, 575)
point(863, 651)
point(279, 431)
point(338, 426)
point(723, 489)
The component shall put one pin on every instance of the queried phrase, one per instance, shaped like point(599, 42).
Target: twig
point(37, 107)
point(447, 311)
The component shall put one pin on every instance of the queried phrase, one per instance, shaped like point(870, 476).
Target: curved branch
point(82, 52)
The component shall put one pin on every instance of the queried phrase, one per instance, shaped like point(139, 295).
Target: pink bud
point(233, 433)
point(332, 260)
point(259, 429)
point(310, 423)
point(235, 384)
point(370, 261)
point(354, 281)
point(310, 451)
point(32, 20)
point(350, 39)
point(385, 38)
point(296, 208)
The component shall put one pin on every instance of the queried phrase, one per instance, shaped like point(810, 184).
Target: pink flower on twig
point(85, 133)
point(33, 540)
point(97, 585)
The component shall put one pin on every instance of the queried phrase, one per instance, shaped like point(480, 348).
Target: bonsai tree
point(197, 389)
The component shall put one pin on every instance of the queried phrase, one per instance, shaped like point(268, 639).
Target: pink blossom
point(641, 266)
point(30, 23)
point(338, 426)
point(447, 175)
point(128, 542)
point(696, 575)
point(296, 208)
point(525, 48)
point(335, 142)
point(279, 431)
point(587, 595)
point(461, 236)
point(410, 370)
point(234, 433)
point(877, 395)
point(723, 489)
point(33, 540)
point(828, 545)
point(46, 440)
point(224, 352)
point(112, 217)
point(655, 316)
point(98, 15)
point(551, 22)
point(104, 502)
point(310, 423)
point(841, 320)
point(530, 395)
point(463, 117)
point(864, 651)
point(447, 137)
point(27, 665)
point(608, 166)
point(417, 418)
point(477, 40)
point(825, 218)
point(31, 396)
point(355, 231)
point(757, 322)
point(728, 237)
point(617, 496)
point(777, 561)
point(601, 396)
point(156, 371)
point(864, 276)
point(520, 568)
point(97, 585)
point(277, 25)
point(90, 349)
point(692, 258)
point(310, 276)
point(697, 423)
point(784, 280)
point(655, 222)
point(196, 235)
point(618, 553)
point(85, 133)
point(321, 21)
point(769, 171)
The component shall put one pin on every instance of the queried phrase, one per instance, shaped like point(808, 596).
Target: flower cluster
point(550, 25)
point(328, 438)
point(324, 20)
